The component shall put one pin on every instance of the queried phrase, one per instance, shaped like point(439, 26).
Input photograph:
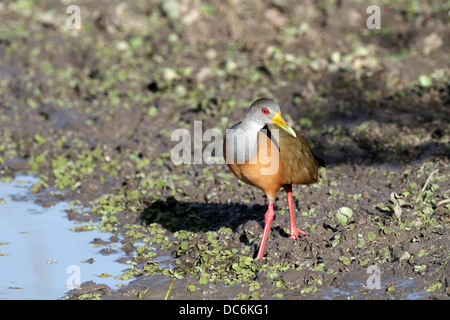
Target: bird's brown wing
point(300, 164)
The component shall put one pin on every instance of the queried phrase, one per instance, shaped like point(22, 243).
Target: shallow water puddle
point(40, 257)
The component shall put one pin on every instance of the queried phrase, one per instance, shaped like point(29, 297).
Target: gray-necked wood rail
point(261, 155)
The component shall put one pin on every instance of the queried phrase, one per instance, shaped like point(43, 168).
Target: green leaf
point(319, 267)
point(192, 287)
point(104, 275)
point(363, 262)
point(344, 215)
point(38, 138)
point(371, 236)
point(203, 279)
point(420, 268)
point(184, 245)
point(306, 122)
point(344, 260)
point(425, 80)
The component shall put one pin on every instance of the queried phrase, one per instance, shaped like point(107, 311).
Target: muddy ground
point(92, 110)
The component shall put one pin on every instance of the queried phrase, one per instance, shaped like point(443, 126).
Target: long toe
point(295, 232)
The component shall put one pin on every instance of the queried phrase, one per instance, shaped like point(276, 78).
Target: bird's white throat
point(242, 141)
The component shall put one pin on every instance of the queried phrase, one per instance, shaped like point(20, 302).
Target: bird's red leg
point(267, 222)
point(294, 230)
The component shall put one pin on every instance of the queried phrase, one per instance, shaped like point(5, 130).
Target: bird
point(261, 155)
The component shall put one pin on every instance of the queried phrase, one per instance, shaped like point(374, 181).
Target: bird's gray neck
point(242, 140)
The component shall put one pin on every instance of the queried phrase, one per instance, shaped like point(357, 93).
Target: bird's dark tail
point(320, 161)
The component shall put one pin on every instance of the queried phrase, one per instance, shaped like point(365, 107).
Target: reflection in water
point(39, 254)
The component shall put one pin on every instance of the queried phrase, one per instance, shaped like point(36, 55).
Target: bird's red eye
point(265, 110)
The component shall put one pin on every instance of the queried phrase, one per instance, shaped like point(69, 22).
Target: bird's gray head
point(265, 111)
point(262, 111)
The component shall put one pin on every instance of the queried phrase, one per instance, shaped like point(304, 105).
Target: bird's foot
point(294, 233)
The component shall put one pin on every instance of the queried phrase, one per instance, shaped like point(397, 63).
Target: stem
point(428, 179)
point(426, 184)
point(168, 291)
point(442, 202)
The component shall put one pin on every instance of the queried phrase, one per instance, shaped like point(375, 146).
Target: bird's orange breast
point(265, 170)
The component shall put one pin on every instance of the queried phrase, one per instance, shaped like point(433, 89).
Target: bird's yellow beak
point(279, 121)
